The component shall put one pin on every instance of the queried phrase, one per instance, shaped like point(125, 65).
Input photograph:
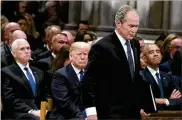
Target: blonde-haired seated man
point(66, 84)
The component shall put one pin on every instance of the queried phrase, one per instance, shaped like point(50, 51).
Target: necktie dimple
point(31, 80)
point(160, 85)
point(81, 74)
point(130, 58)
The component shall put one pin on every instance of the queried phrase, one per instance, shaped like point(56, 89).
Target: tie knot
point(127, 42)
point(26, 68)
point(81, 72)
point(157, 74)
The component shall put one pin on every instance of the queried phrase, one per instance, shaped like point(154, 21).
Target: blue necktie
point(81, 74)
point(31, 80)
point(160, 86)
point(130, 58)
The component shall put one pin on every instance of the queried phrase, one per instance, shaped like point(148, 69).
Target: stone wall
point(155, 16)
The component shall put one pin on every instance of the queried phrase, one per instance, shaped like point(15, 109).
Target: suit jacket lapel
point(134, 53)
point(72, 76)
point(21, 77)
point(152, 81)
point(36, 77)
point(119, 48)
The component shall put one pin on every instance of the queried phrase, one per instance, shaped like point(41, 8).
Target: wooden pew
point(164, 115)
point(44, 108)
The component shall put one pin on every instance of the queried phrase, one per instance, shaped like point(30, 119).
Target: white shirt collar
point(76, 69)
point(152, 71)
point(53, 55)
point(121, 39)
point(22, 66)
point(48, 47)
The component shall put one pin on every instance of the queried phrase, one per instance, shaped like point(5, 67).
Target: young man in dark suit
point(65, 86)
point(111, 79)
point(161, 83)
point(22, 85)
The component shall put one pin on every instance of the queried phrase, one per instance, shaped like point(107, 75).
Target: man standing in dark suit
point(66, 84)
point(22, 85)
point(111, 78)
point(161, 83)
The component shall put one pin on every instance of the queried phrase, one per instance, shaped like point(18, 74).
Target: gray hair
point(15, 44)
point(51, 28)
point(121, 13)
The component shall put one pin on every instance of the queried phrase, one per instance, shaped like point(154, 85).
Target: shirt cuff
point(30, 111)
point(91, 111)
point(167, 102)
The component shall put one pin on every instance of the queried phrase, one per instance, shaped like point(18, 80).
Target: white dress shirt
point(153, 72)
point(77, 71)
point(24, 71)
point(123, 43)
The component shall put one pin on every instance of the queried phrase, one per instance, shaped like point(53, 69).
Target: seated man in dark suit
point(161, 83)
point(174, 45)
point(176, 65)
point(66, 84)
point(22, 85)
point(45, 51)
point(57, 42)
point(6, 56)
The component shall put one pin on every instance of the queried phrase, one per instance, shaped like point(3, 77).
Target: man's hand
point(92, 117)
point(36, 113)
point(143, 113)
point(175, 94)
point(160, 101)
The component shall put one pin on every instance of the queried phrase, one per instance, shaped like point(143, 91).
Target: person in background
point(6, 55)
point(171, 44)
point(61, 60)
point(57, 43)
point(82, 28)
point(141, 41)
point(70, 37)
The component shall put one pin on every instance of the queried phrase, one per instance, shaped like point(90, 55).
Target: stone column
point(86, 9)
point(143, 7)
point(74, 12)
point(155, 15)
point(176, 15)
point(166, 15)
point(106, 17)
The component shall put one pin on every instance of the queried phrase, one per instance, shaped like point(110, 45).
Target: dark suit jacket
point(176, 103)
point(166, 66)
point(44, 54)
point(66, 94)
point(45, 63)
point(39, 51)
point(17, 92)
point(176, 65)
point(6, 56)
point(108, 84)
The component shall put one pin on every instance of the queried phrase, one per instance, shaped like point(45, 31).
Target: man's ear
point(14, 54)
point(144, 59)
point(118, 23)
point(70, 56)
